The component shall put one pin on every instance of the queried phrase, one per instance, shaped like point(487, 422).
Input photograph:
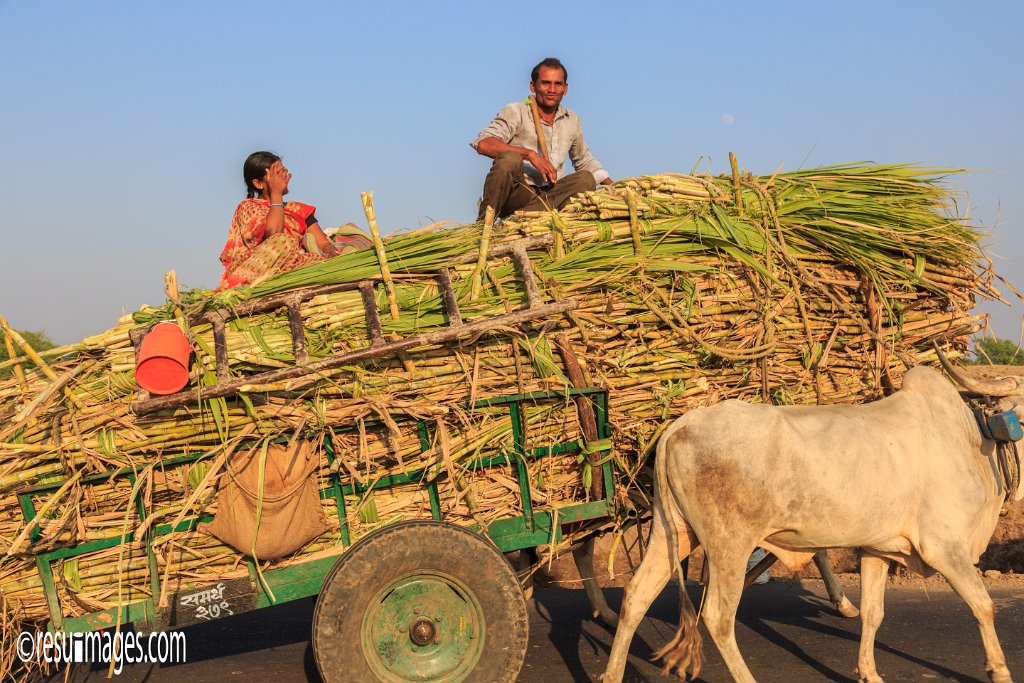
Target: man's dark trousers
point(506, 189)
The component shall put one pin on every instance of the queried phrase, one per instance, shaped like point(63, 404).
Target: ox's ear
point(1000, 386)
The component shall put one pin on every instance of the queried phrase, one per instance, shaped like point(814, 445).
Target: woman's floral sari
point(250, 257)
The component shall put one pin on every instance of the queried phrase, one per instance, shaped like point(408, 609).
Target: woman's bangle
point(273, 205)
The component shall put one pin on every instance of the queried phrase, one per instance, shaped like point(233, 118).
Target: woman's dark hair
point(255, 168)
point(549, 63)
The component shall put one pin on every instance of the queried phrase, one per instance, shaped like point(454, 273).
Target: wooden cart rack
point(417, 600)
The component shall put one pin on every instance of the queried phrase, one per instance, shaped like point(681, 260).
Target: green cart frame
point(455, 612)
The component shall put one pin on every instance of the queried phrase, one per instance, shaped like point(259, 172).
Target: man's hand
point(493, 148)
point(547, 171)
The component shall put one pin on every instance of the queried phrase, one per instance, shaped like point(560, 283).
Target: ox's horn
point(1004, 386)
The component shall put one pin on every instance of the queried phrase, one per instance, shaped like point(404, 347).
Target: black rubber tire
point(405, 549)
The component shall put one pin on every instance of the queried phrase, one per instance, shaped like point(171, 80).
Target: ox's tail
point(684, 652)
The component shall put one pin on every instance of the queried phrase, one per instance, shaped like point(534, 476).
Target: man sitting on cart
point(529, 142)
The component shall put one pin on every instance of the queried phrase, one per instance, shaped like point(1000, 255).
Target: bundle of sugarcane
point(818, 286)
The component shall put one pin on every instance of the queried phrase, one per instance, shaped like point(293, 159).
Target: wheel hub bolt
point(422, 631)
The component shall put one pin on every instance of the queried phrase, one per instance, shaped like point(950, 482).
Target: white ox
point(907, 478)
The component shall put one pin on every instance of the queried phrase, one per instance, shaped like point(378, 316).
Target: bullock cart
point(422, 598)
point(456, 394)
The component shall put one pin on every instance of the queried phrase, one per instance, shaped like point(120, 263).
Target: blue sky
point(124, 125)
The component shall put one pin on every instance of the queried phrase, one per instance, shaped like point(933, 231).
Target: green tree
point(996, 351)
point(39, 341)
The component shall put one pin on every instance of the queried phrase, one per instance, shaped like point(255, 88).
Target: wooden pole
point(588, 420)
point(540, 129)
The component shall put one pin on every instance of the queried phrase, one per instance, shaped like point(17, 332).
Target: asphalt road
point(787, 631)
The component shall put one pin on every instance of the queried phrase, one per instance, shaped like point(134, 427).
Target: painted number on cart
point(223, 599)
point(208, 604)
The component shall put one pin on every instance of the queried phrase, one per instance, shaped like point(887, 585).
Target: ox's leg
point(964, 579)
point(835, 591)
point(647, 583)
point(583, 555)
point(873, 573)
point(726, 572)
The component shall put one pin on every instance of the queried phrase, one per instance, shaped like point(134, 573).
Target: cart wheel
point(420, 601)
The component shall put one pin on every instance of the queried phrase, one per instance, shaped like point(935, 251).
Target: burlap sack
point(290, 511)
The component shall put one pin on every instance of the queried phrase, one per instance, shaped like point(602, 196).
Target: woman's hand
point(277, 181)
point(327, 247)
point(276, 184)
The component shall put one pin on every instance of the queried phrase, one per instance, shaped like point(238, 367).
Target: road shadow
point(775, 612)
point(572, 630)
point(761, 611)
point(1007, 556)
point(241, 634)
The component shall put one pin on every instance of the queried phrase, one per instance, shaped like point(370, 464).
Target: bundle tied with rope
point(680, 290)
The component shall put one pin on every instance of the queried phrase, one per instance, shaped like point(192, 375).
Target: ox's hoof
point(848, 609)
point(868, 678)
point(1000, 676)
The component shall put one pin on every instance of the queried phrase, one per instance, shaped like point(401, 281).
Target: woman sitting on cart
point(268, 235)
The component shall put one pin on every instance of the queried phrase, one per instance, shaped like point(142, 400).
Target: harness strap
point(982, 420)
point(1005, 429)
point(1008, 468)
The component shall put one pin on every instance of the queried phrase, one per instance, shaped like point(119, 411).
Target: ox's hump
point(924, 379)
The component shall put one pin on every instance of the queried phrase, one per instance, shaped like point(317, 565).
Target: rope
point(1009, 468)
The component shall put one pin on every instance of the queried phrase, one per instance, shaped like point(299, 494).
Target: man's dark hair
point(255, 168)
point(551, 63)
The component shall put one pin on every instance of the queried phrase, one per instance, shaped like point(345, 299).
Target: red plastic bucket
point(162, 364)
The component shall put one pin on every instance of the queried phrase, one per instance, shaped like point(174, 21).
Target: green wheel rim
point(427, 626)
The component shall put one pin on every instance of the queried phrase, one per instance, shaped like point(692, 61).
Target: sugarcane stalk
point(18, 372)
point(736, 191)
point(481, 262)
point(382, 257)
point(634, 226)
point(34, 356)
